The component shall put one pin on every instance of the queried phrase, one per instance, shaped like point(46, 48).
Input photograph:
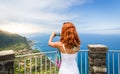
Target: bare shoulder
point(77, 48)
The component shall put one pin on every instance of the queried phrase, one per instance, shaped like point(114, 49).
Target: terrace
point(96, 60)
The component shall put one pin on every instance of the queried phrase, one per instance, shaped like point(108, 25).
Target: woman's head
point(69, 35)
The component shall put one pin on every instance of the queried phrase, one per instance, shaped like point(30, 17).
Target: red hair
point(69, 35)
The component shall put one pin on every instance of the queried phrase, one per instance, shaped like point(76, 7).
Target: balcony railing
point(113, 62)
point(44, 63)
point(36, 63)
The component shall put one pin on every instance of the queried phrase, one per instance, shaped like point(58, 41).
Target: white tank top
point(69, 63)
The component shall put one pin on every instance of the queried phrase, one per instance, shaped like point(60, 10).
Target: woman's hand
point(53, 34)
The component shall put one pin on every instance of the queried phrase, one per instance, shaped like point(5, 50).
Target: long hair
point(69, 35)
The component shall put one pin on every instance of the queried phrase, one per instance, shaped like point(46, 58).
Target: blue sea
point(111, 41)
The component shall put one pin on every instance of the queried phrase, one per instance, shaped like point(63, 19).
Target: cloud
point(45, 16)
point(33, 8)
point(42, 13)
point(42, 4)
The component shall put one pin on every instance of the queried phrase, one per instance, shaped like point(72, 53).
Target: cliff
point(10, 41)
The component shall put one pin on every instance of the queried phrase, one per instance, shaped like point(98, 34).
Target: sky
point(47, 16)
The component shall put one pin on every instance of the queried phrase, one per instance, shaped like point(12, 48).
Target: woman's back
point(67, 50)
point(69, 63)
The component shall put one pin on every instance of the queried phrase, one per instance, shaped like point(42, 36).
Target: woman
point(68, 45)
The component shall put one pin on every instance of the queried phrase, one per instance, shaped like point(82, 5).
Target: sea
point(111, 41)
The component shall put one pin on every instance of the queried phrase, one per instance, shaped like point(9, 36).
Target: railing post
point(97, 58)
point(7, 62)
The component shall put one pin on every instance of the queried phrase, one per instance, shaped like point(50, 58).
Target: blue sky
point(46, 16)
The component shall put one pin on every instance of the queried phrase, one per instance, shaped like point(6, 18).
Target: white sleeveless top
point(69, 63)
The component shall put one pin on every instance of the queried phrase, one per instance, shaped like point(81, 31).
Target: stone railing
point(97, 59)
point(7, 62)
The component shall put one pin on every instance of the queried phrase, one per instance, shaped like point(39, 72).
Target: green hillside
point(9, 41)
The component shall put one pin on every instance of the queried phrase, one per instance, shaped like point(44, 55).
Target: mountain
point(9, 41)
